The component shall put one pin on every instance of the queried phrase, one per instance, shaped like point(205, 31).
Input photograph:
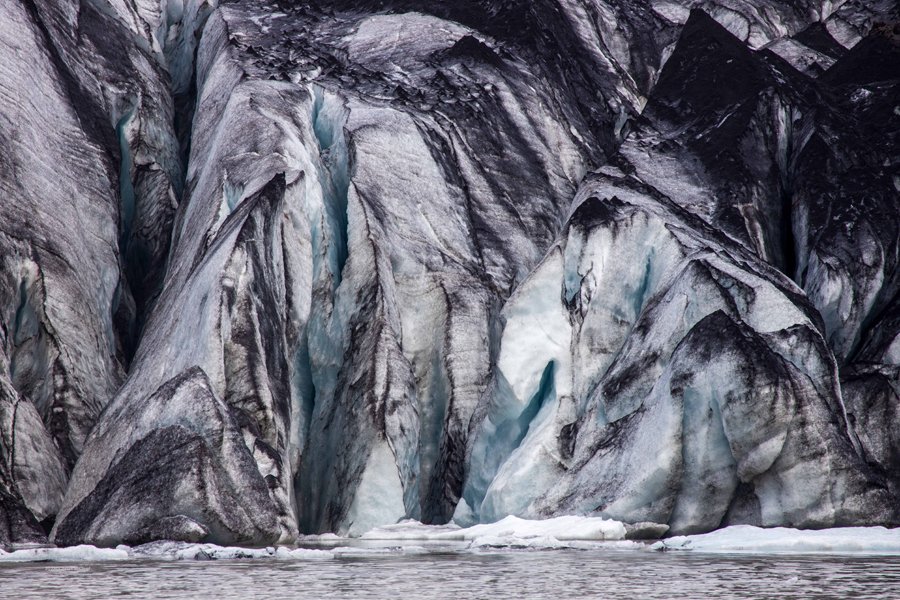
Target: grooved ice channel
point(126, 186)
point(329, 117)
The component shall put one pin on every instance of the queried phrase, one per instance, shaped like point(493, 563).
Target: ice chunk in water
point(745, 538)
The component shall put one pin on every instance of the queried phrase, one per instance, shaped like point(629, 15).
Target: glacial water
point(446, 572)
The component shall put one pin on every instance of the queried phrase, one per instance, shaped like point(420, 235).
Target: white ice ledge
point(508, 532)
point(746, 539)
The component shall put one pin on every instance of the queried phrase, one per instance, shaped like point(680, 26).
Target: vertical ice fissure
point(124, 315)
point(319, 357)
point(126, 187)
point(335, 176)
point(17, 328)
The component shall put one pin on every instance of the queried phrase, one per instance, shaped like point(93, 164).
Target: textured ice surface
point(74, 284)
point(272, 268)
point(662, 421)
point(748, 539)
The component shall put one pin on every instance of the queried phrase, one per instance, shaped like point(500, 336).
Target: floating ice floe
point(82, 553)
point(559, 532)
point(167, 551)
point(748, 539)
point(185, 551)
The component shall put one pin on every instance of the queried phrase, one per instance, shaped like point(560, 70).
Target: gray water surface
point(537, 574)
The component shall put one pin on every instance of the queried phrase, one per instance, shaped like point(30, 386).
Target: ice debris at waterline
point(163, 551)
point(271, 269)
point(511, 532)
point(756, 540)
point(510, 535)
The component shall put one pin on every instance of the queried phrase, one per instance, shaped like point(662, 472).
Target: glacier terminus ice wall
point(273, 268)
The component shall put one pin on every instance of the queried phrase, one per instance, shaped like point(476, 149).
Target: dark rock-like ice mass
point(272, 268)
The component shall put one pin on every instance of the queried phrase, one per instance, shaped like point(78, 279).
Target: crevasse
point(319, 357)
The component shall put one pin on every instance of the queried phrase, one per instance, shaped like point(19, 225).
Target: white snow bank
point(511, 531)
point(748, 539)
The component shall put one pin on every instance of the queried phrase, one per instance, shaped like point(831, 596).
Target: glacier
point(271, 270)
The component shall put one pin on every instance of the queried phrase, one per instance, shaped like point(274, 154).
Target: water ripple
point(569, 574)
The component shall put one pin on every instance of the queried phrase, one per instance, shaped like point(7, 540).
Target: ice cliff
point(270, 268)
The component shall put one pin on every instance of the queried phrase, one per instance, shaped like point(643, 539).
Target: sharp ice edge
point(757, 540)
